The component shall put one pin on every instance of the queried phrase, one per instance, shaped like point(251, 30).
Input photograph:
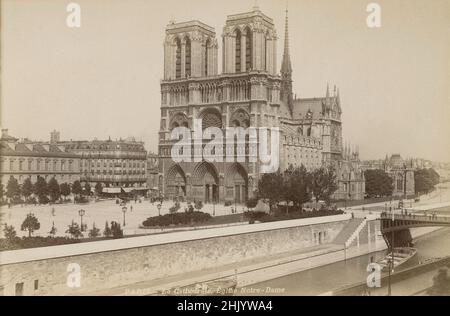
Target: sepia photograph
point(245, 150)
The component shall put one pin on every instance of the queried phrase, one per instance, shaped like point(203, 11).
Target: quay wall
point(107, 264)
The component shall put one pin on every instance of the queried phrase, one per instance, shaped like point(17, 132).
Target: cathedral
point(249, 92)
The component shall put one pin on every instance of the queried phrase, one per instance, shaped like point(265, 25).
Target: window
point(248, 51)
point(29, 164)
point(36, 284)
point(20, 165)
point(206, 57)
point(238, 51)
point(188, 58)
point(178, 59)
point(11, 164)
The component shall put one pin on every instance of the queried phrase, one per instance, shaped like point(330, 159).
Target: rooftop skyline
point(102, 80)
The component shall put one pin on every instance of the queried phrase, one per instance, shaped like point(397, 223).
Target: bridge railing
point(418, 217)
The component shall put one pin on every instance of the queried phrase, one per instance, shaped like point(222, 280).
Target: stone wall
point(113, 268)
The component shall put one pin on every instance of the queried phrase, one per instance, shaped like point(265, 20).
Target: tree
point(53, 189)
point(64, 188)
point(378, 183)
point(323, 184)
point(53, 230)
point(27, 188)
point(94, 232)
point(107, 231)
point(434, 176)
point(116, 231)
point(31, 224)
point(12, 188)
point(252, 202)
point(270, 187)
point(198, 205)
point(9, 232)
point(74, 230)
point(425, 180)
point(296, 186)
point(98, 188)
point(87, 189)
point(76, 188)
point(41, 189)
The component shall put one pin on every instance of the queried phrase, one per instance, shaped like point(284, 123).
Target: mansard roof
point(33, 150)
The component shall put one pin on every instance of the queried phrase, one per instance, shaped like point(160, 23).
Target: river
point(336, 275)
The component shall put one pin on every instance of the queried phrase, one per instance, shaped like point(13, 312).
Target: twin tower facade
point(249, 43)
point(246, 93)
point(249, 92)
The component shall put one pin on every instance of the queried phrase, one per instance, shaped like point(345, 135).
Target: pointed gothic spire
point(286, 66)
point(328, 91)
point(345, 150)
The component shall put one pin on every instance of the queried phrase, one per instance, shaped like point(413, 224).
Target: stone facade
point(249, 93)
point(350, 175)
point(402, 174)
point(24, 159)
point(115, 164)
point(245, 95)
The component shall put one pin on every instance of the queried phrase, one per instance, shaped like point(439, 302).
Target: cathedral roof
point(312, 108)
point(396, 161)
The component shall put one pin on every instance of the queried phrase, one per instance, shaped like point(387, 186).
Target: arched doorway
point(236, 182)
point(176, 182)
point(205, 183)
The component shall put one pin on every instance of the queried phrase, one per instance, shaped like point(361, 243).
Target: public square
point(98, 213)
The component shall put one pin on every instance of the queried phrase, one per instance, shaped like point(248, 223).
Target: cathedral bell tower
point(249, 43)
point(190, 50)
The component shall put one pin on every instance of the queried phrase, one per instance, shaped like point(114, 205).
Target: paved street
point(98, 212)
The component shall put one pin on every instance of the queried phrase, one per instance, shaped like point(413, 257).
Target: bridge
point(395, 227)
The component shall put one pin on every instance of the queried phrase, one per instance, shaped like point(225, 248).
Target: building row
point(115, 164)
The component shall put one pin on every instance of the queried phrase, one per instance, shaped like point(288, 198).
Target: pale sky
point(103, 79)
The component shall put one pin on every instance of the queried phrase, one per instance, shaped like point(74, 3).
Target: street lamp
point(124, 210)
point(81, 213)
point(159, 209)
point(391, 261)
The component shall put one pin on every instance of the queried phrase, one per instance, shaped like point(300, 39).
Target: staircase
point(349, 233)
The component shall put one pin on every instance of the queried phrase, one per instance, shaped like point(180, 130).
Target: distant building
point(350, 176)
point(24, 159)
point(402, 174)
point(54, 137)
point(401, 171)
point(119, 164)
